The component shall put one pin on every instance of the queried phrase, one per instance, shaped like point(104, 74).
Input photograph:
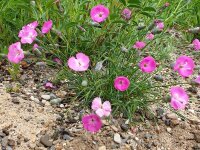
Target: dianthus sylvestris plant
point(98, 46)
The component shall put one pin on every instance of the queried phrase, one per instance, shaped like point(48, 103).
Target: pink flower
point(80, 63)
point(15, 53)
point(196, 44)
point(101, 109)
point(92, 123)
point(27, 34)
point(197, 80)
point(150, 36)
point(33, 25)
point(148, 64)
point(184, 65)
point(160, 25)
point(47, 26)
point(126, 14)
point(58, 61)
point(139, 45)
point(35, 46)
point(99, 13)
point(121, 83)
point(49, 85)
point(179, 98)
point(167, 4)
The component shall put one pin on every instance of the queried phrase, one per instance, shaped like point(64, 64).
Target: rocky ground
point(35, 118)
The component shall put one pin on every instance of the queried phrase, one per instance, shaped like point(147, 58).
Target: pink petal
point(100, 112)
point(47, 26)
point(96, 103)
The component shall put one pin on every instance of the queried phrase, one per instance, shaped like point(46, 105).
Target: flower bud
point(124, 49)
point(84, 83)
point(141, 26)
point(98, 66)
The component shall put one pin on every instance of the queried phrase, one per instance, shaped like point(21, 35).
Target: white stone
point(117, 138)
point(46, 97)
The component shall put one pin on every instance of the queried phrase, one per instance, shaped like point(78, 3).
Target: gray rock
point(45, 140)
point(158, 78)
point(167, 122)
point(53, 96)
point(55, 101)
point(159, 112)
point(15, 100)
point(196, 147)
point(9, 148)
point(4, 141)
point(147, 136)
point(46, 97)
point(117, 138)
point(67, 137)
point(11, 142)
point(2, 134)
point(124, 126)
point(171, 116)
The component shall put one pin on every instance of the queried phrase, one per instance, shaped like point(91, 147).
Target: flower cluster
point(28, 35)
point(92, 122)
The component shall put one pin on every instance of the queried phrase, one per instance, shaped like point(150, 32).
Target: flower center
point(145, 65)
point(100, 14)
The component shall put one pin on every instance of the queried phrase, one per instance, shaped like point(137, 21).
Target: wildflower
point(80, 63)
point(126, 14)
point(184, 65)
point(15, 53)
point(196, 44)
point(148, 64)
point(101, 109)
point(197, 80)
point(121, 83)
point(167, 4)
point(150, 36)
point(27, 34)
point(99, 13)
point(92, 123)
point(139, 45)
point(49, 85)
point(179, 98)
point(159, 25)
point(47, 26)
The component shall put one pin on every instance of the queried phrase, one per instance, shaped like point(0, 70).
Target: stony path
point(21, 122)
